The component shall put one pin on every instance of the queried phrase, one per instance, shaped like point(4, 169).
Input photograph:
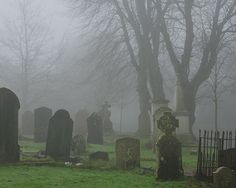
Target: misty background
point(64, 70)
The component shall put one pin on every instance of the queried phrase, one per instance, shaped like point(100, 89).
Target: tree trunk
point(144, 122)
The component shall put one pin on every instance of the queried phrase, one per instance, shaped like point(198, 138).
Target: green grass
point(65, 177)
point(30, 174)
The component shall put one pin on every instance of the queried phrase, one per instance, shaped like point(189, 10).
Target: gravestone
point(105, 114)
point(127, 153)
point(9, 107)
point(80, 125)
point(169, 149)
point(59, 136)
point(28, 123)
point(95, 129)
point(78, 146)
point(224, 177)
point(41, 121)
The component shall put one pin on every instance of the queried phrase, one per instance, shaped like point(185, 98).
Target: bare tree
point(28, 44)
point(194, 32)
point(134, 25)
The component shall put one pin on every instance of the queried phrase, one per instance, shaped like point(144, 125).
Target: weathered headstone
point(59, 136)
point(127, 153)
point(224, 177)
point(78, 146)
point(169, 149)
point(80, 125)
point(41, 121)
point(99, 155)
point(28, 123)
point(105, 114)
point(9, 107)
point(95, 129)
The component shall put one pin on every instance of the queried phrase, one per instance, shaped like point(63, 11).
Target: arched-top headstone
point(28, 123)
point(59, 138)
point(9, 107)
point(41, 121)
point(224, 177)
point(128, 153)
point(95, 129)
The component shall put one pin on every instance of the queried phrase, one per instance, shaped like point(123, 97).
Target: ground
point(48, 174)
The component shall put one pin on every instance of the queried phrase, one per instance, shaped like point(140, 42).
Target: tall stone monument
point(41, 121)
point(95, 129)
point(181, 113)
point(28, 123)
point(9, 107)
point(59, 138)
point(169, 149)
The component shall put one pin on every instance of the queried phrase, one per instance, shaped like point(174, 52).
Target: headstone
point(95, 129)
point(41, 121)
point(78, 146)
point(99, 155)
point(9, 107)
point(59, 136)
point(169, 149)
point(127, 153)
point(105, 114)
point(224, 177)
point(80, 125)
point(28, 123)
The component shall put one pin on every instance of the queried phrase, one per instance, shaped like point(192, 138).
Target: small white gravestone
point(224, 177)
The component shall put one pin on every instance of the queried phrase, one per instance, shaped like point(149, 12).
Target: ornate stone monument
point(9, 107)
point(95, 129)
point(127, 153)
point(41, 121)
point(59, 136)
point(158, 109)
point(169, 149)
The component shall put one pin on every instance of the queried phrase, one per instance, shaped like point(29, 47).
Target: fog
point(72, 68)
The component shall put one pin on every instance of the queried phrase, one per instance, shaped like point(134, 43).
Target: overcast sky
point(56, 12)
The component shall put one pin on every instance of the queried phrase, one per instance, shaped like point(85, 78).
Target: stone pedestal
point(183, 132)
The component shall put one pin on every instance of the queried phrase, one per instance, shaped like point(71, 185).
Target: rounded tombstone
point(9, 107)
point(42, 116)
point(59, 137)
point(95, 129)
point(127, 153)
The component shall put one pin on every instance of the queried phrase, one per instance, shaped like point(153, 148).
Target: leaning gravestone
point(59, 136)
point(41, 120)
point(169, 149)
point(9, 107)
point(28, 123)
point(95, 129)
point(80, 125)
point(224, 177)
point(127, 153)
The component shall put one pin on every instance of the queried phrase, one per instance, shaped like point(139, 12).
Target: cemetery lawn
point(24, 176)
point(34, 173)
